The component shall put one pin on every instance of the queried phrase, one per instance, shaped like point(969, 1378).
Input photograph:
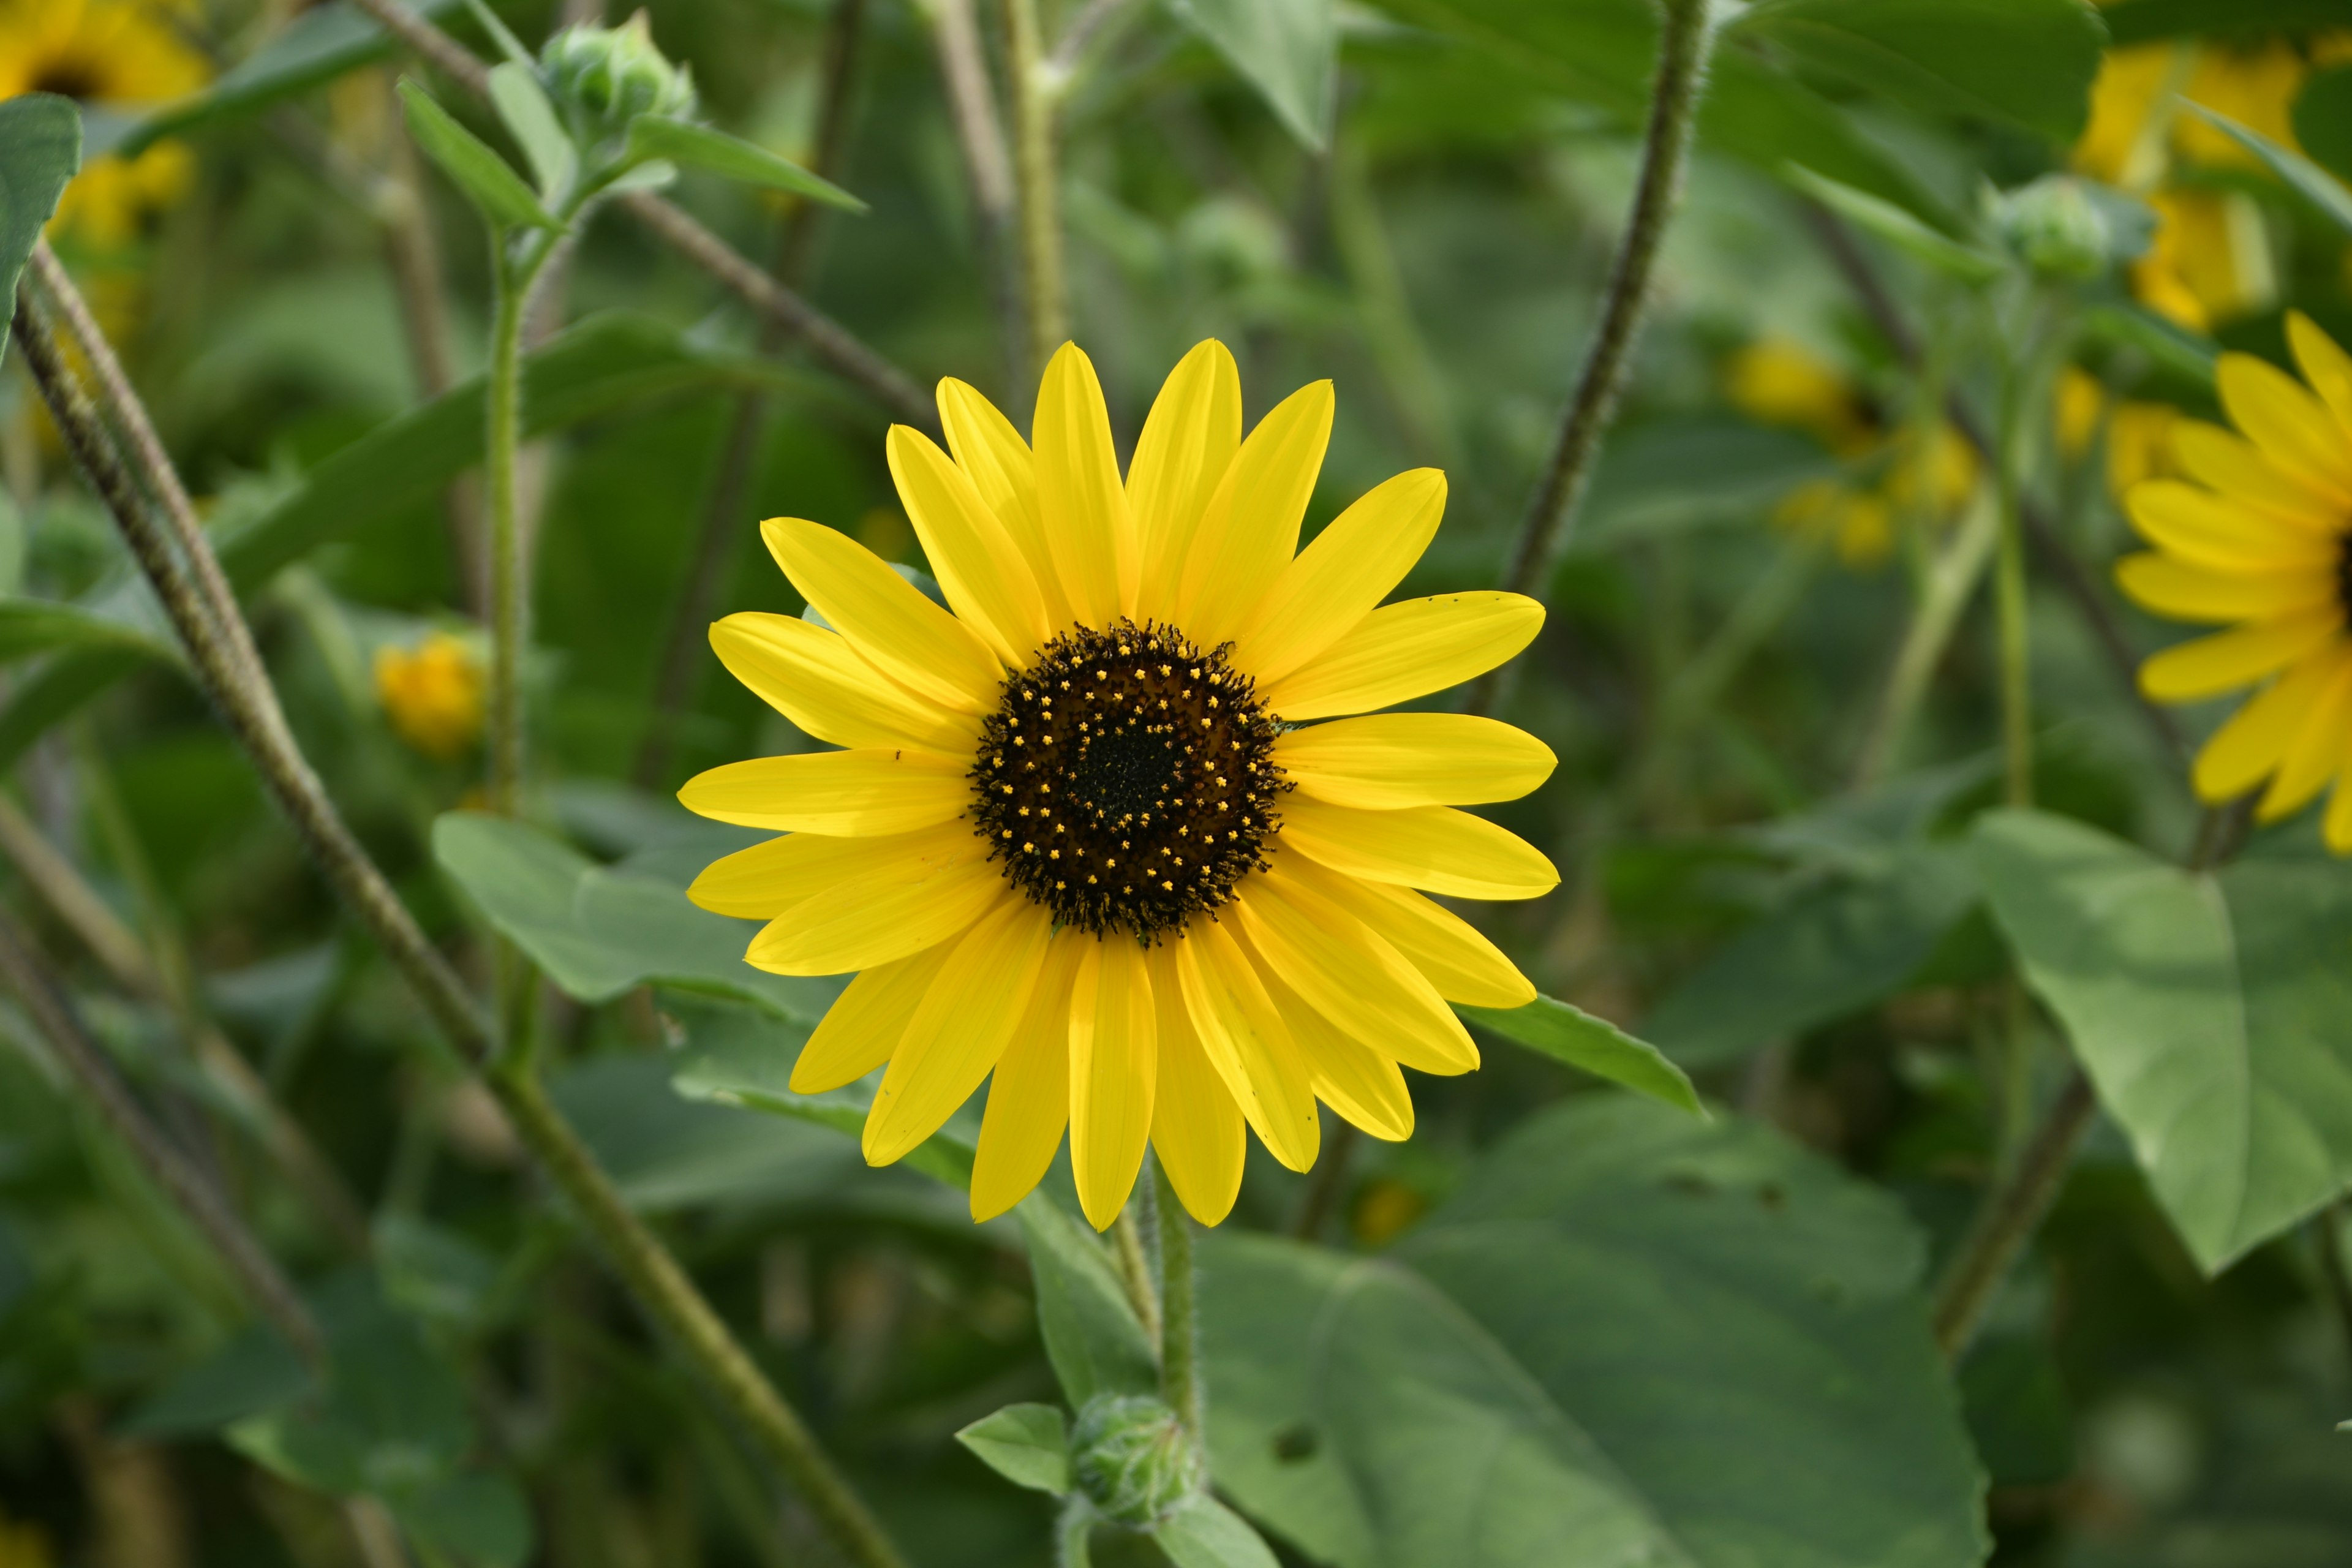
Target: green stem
point(510, 596)
point(2009, 594)
point(1034, 92)
point(1951, 581)
point(1130, 1239)
point(1180, 1382)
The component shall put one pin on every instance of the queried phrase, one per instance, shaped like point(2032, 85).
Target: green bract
point(1132, 1459)
point(602, 77)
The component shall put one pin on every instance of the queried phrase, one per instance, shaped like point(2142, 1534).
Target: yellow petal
point(996, 459)
point(1187, 440)
point(1363, 1086)
point(763, 881)
point(2293, 429)
point(979, 569)
point(1333, 584)
point(936, 885)
point(2327, 367)
point(813, 676)
point(1352, 975)
point(2243, 751)
point(1463, 964)
point(1432, 847)
point(1114, 1066)
point(1248, 1044)
point(1080, 500)
point(1390, 760)
point(887, 619)
point(2186, 593)
point(2208, 530)
point(862, 1027)
point(1029, 1095)
point(959, 1030)
point(1405, 651)
point(2316, 751)
point(2237, 469)
point(1250, 529)
point(842, 793)
point(2192, 671)
point(1196, 1128)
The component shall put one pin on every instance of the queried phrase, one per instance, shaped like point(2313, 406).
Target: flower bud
point(1132, 1459)
point(2057, 227)
point(602, 77)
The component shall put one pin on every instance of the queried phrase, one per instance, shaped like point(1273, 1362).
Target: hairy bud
point(602, 77)
point(2057, 227)
point(1132, 1459)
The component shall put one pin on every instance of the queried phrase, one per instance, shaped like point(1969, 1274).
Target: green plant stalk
point(1180, 1382)
point(250, 708)
point(1951, 581)
point(1131, 1246)
point(2010, 601)
point(1034, 95)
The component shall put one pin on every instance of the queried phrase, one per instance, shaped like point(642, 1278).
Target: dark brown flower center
point(2344, 571)
point(1126, 780)
point(72, 76)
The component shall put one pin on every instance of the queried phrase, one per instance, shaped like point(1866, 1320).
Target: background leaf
point(1570, 1035)
point(40, 148)
point(656, 136)
point(1287, 49)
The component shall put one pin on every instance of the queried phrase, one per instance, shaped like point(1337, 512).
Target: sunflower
point(2260, 534)
point(1084, 836)
point(119, 55)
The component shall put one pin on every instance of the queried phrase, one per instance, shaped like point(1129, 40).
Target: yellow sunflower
point(2260, 534)
point(119, 54)
point(1083, 835)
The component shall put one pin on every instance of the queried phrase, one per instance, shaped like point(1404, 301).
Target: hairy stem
point(964, 68)
point(1180, 1382)
point(1035, 92)
point(1131, 1242)
point(510, 580)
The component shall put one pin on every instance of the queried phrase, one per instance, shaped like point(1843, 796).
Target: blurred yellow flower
point(2258, 538)
point(119, 55)
point(24, 1546)
point(2140, 434)
point(1775, 381)
point(432, 693)
point(1383, 1210)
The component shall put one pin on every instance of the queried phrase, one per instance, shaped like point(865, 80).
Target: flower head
point(432, 693)
point(1084, 835)
point(2259, 537)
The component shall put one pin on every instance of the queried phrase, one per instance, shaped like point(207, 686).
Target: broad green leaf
point(497, 192)
point(478, 1520)
point(253, 1373)
point(1897, 228)
point(1629, 1338)
point(318, 46)
point(1091, 1333)
point(681, 142)
point(1028, 1445)
point(1832, 950)
point(597, 934)
point(37, 625)
point(2138, 21)
point(1570, 1035)
point(40, 148)
point(2212, 1011)
point(524, 111)
point(2331, 195)
point(2323, 120)
point(1287, 49)
point(2027, 62)
point(1205, 1533)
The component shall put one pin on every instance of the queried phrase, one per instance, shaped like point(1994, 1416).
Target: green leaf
point(2183, 353)
point(2323, 120)
point(2139, 21)
point(1028, 1445)
point(597, 934)
point(1629, 1338)
point(254, 1373)
point(1205, 1533)
point(525, 111)
point(2027, 62)
point(40, 148)
point(318, 46)
point(497, 192)
point(2212, 1011)
point(1091, 1333)
point(1897, 228)
point(2316, 185)
point(478, 1520)
point(1287, 49)
point(1570, 1035)
point(38, 626)
point(1845, 944)
point(658, 136)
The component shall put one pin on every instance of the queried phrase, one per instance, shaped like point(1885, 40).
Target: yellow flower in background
point(2258, 538)
point(119, 55)
point(433, 694)
point(1084, 836)
point(1776, 381)
point(2139, 435)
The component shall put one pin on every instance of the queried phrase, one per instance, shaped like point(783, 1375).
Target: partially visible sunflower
point(119, 55)
point(1085, 837)
point(2259, 537)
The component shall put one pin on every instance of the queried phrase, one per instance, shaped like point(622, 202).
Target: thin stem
point(1131, 1237)
point(509, 580)
point(1033, 94)
point(663, 1288)
point(2008, 595)
point(179, 1178)
point(1328, 1184)
point(964, 68)
point(1665, 149)
point(1180, 1382)
point(2011, 1213)
point(1951, 583)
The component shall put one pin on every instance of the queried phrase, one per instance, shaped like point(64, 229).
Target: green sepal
point(1028, 1445)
